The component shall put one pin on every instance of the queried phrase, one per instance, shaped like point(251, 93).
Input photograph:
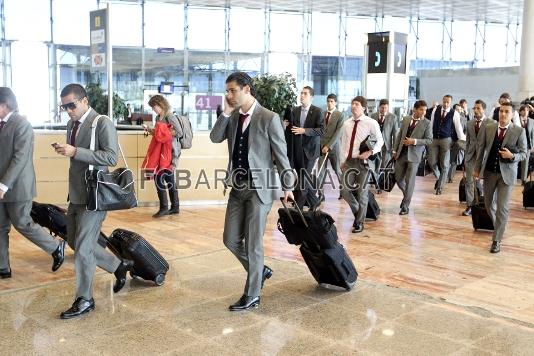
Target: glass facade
point(197, 47)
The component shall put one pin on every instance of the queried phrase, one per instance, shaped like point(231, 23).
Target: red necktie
point(327, 118)
point(242, 118)
point(412, 126)
point(502, 131)
point(477, 126)
point(73, 133)
point(351, 146)
point(381, 119)
point(2, 123)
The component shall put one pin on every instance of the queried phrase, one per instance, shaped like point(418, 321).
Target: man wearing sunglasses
point(17, 185)
point(83, 227)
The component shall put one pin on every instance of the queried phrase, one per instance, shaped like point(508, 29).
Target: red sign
point(207, 102)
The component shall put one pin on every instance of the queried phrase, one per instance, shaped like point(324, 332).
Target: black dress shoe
point(59, 256)
point(174, 210)
point(404, 211)
point(321, 197)
point(245, 303)
point(495, 247)
point(436, 185)
point(161, 212)
point(79, 307)
point(120, 274)
point(5, 273)
point(267, 273)
point(438, 191)
point(356, 228)
point(467, 211)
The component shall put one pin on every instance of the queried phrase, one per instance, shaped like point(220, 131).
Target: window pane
point(357, 30)
point(286, 33)
point(463, 34)
point(32, 55)
point(325, 34)
point(71, 21)
point(206, 29)
point(21, 24)
point(495, 47)
point(126, 24)
point(283, 62)
point(164, 25)
point(430, 35)
point(243, 36)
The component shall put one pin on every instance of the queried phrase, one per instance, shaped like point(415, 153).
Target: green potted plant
point(276, 92)
point(99, 101)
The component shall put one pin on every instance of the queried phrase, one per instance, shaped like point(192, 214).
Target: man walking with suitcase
point(354, 166)
point(473, 129)
point(17, 185)
point(498, 165)
point(251, 174)
point(83, 226)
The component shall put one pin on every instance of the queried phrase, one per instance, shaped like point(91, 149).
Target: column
point(526, 67)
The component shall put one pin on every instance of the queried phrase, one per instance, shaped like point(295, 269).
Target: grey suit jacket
point(423, 135)
point(314, 125)
point(16, 159)
point(104, 155)
point(332, 130)
point(514, 138)
point(471, 142)
point(530, 132)
point(390, 128)
point(266, 141)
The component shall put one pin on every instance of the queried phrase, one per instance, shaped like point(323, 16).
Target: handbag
point(108, 191)
point(367, 145)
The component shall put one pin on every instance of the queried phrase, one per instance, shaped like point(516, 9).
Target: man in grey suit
point(333, 122)
point(415, 133)
point(498, 165)
point(255, 136)
point(527, 124)
point(458, 146)
point(304, 145)
point(471, 145)
point(444, 120)
point(354, 163)
point(83, 226)
point(388, 126)
point(17, 185)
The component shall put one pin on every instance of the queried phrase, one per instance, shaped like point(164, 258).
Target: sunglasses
point(69, 106)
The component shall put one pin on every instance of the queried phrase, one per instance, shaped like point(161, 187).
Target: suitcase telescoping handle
point(289, 213)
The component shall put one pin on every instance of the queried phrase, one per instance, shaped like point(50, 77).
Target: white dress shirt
point(247, 120)
point(455, 120)
point(366, 127)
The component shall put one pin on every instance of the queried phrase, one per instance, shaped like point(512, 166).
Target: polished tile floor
point(427, 286)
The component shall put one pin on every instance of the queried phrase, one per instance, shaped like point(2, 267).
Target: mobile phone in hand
point(55, 145)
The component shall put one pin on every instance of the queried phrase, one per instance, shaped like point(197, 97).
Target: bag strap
point(92, 145)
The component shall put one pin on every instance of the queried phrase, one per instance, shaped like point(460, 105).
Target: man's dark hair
point(332, 96)
point(455, 106)
point(524, 107)
point(462, 101)
point(7, 97)
point(420, 103)
point(481, 102)
point(505, 96)
point(361, 100)
point(509, 104)
point(76, 89)
point(310, 89)
point(448, 96)
point(242, 79)
point(383, 102)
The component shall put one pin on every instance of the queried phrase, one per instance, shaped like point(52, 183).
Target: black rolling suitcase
point(148, 263)
point(461, 191)
point(54, 218)
point(528, 194)
point(479, 215)
point(373, 209)
point(325, 257)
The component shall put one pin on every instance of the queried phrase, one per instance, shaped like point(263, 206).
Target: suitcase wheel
point(160, 279)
